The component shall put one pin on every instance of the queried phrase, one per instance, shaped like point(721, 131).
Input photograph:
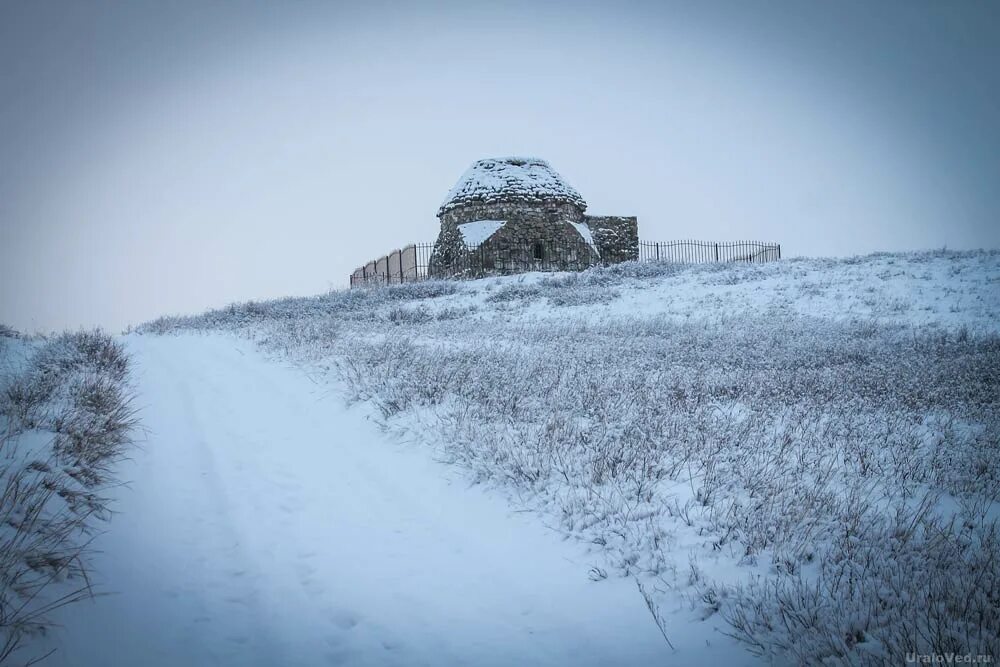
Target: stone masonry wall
point(512, 247)
point(616, 236)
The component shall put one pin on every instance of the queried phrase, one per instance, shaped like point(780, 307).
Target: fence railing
point(700, 252)
point(413, 262)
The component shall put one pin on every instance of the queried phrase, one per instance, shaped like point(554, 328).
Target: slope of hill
point(804, 449)
point(799, 455)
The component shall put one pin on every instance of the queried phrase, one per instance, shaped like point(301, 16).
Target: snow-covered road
point(266, 524)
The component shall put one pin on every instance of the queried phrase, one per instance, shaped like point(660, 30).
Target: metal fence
point(412, 263)
point(700, 252)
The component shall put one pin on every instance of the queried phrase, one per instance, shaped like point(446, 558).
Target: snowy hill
point(725, 433)
point(790, 463)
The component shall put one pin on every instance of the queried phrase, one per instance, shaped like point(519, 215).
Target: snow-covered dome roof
point(515, 179)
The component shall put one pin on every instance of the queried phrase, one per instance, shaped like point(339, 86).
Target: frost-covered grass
point(806, 449)
point(65, 419)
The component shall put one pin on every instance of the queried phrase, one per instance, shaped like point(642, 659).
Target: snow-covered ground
point(65, 424)
point(266, 524)
point(799, 455)
point(791, 452)
point(934, 288)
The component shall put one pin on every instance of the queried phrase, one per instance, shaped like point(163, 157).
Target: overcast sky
point(167, 157)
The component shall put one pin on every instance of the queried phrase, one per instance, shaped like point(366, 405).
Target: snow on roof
point(522, 179)
point(474, 233)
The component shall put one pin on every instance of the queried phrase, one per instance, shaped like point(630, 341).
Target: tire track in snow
point(269, 525)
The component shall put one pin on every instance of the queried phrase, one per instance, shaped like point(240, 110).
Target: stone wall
point(510, 211)
point(535, 237)
point(515, 246)
point(616, 236)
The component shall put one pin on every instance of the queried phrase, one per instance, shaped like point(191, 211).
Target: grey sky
point(165, 157)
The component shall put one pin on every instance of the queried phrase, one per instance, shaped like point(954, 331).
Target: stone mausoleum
point(514, 214)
